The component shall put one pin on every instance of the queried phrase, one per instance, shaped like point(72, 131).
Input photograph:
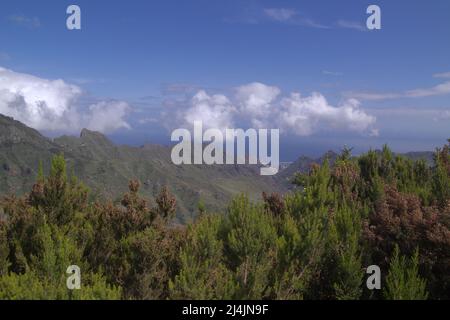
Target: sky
point(139, 69)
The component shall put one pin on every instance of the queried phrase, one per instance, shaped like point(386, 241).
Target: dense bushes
point(315, 243)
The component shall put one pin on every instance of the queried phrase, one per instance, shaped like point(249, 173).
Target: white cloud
point(291, 16)
point(257, 105)
point(85, 81)
point(373, 96)
point(307, 115)
point(445, 75)
point(255, 101)
point(22, 20)
point(215, 111)
point(410, 111)
point(440, 89)
point(280, 14)
point(53, 105)
point(307, 22)
point(108, 116)
point(355, 25)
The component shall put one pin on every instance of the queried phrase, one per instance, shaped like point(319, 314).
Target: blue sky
point(156, 56)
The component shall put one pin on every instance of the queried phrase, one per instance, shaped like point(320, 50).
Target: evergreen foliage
point(403, 281)
point(312, 243)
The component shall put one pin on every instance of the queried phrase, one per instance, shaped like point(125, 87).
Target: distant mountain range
point(106, 169)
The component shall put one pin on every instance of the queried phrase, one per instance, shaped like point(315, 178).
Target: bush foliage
point(313, 243)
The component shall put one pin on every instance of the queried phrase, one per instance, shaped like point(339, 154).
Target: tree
point(203, 273)
point(400, 220)
point(403, 281)
point(249, 237)
point(273, 203)
point(58, 197)
point(345, 248)
point(132, 244)
point(166, 204)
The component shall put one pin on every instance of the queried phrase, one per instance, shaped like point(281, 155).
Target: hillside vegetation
point(106, 169)
point(313, 243)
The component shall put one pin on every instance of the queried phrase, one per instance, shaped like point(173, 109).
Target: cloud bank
point(257, 105)
point(54, 105)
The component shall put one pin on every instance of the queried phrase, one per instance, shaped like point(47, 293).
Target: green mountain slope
point(106, 168)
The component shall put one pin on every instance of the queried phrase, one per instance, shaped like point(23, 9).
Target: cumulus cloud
point(108, 116)
point(257, 105)
point(54, 105)
point(255, 101)
point(307, 115)
point(214, 111)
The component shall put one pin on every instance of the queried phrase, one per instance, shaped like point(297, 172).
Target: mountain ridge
point(106, 168)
